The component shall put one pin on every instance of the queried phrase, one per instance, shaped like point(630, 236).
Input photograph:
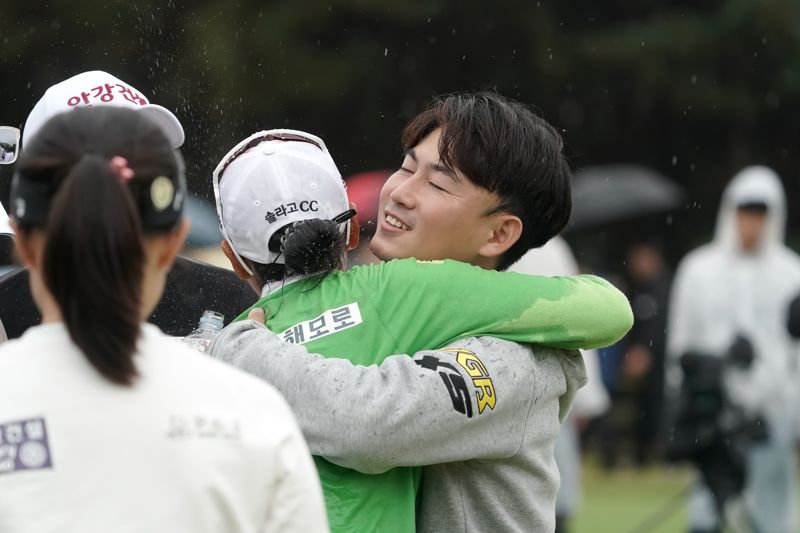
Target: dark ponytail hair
point(313, 246)
point(94, 253)
point(92, 265)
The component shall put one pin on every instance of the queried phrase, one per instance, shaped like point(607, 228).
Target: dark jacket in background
point(191, 288)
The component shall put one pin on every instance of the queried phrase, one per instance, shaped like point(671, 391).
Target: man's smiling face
point(430, 211)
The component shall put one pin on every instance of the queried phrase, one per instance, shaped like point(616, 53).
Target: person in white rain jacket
point(740, 284)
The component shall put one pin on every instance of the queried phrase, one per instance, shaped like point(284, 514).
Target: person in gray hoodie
point(481, 414)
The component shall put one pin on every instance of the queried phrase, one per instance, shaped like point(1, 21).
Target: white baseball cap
point(99, 88)
point(272, 179)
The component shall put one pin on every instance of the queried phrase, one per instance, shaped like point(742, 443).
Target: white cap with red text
point(99, 88)
point(273, 184)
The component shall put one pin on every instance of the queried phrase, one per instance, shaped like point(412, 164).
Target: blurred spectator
point(6, 153)
point(739, 286)
point(556, 259)
point(643, 365)
point(614, 424)
point(633, 369)
point(364, 189)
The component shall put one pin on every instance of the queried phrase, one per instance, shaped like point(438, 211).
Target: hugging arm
point(436, 406)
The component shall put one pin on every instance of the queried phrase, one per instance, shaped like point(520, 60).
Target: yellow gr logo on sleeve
point(484, 388)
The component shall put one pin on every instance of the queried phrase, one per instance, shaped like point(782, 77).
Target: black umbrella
point(603, 194)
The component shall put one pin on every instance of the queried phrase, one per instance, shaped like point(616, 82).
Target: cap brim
point(168, 122)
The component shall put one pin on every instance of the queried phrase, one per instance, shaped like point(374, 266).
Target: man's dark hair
point(504, 147)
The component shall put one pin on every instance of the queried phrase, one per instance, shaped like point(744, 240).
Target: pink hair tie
point(120, 166)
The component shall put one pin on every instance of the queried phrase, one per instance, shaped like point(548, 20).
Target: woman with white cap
point(106, 424)
point(192, 286)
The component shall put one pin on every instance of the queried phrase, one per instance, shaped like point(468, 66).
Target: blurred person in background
point(105, 422)
point(437, 406)
point(364, 190)
point(5, 153)
point(609, 432)
point(192, 286)
point(556, 259)
point(736, 290)
point(648, 285)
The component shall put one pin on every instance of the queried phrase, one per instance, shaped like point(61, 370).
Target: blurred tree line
point(694, 89)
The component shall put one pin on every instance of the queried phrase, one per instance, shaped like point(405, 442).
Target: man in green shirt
point(441, 204)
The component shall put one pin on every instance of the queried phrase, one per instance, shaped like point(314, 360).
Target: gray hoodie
point(483, 412)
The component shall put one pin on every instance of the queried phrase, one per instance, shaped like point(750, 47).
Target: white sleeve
point(592, 399)
point(299, 506)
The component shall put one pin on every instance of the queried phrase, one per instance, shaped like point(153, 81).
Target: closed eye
point(432, 184)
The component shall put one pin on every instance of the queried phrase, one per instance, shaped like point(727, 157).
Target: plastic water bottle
point(210, 324)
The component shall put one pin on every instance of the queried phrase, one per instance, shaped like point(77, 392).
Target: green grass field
point(620, 501)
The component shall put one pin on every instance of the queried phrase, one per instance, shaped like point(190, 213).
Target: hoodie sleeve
point(437, 406)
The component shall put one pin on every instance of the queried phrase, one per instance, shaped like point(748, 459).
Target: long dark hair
point(313, 246)
point(94, 222)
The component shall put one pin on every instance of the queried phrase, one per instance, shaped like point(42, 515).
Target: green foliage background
point(694, 89)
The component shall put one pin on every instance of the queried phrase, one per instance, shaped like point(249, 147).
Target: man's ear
point(355, 230)
point(237, 266)
point(506, 229)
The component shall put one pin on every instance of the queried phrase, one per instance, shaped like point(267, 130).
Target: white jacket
point(720, 291)
point(193, 446)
